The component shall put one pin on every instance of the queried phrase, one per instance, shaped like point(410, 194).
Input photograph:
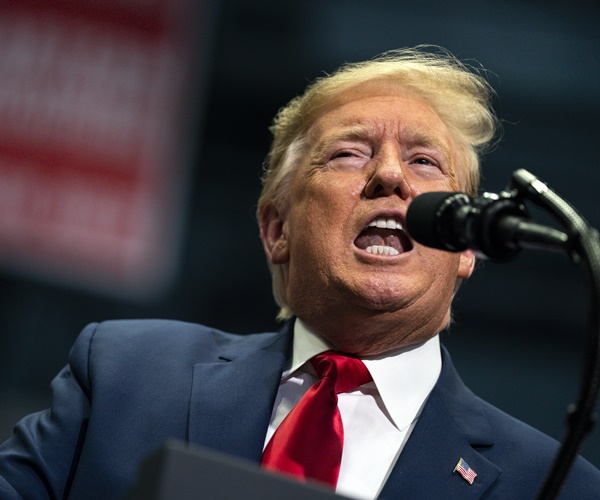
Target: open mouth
point(384, 236)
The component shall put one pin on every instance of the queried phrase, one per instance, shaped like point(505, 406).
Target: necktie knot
point(345, 372)
point(309, 441)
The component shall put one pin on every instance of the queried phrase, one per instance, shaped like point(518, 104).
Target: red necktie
point(309, 441)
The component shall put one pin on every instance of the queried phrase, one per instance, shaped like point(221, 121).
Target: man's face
point(341, 236)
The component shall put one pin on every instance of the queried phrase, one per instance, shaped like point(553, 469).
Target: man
point(347, 159)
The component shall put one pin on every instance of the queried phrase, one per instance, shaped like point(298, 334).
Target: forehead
point(380, 108)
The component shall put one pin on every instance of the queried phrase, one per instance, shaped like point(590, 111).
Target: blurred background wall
point(518, 330)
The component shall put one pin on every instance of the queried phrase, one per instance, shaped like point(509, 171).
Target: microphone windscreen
point(428, 220)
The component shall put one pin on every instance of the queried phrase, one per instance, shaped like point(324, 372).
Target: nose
point(388, 179)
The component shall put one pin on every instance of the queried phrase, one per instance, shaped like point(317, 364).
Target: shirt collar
point(403, 377)
point(306, 344)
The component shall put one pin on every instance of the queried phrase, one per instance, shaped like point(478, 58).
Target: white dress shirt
point(378, 417)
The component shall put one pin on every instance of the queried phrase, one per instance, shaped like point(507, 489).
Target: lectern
point(178, 471)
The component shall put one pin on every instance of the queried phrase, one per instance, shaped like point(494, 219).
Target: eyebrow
point(410, 137)
point(413, 137)
point(354, 130)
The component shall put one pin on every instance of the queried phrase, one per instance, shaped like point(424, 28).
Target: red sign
point(92, 113)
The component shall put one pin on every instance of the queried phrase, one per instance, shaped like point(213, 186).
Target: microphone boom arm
point(583, 247)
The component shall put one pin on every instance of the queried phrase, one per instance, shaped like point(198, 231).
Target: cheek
point(419, 187)
point(444, 266)
point(436, 264)
point(331, 198)
point(321, 209)
point(316, 235)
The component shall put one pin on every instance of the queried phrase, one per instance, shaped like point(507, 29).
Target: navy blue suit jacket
point(130, 385)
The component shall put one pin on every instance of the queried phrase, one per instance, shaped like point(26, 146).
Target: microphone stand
point(582, 244)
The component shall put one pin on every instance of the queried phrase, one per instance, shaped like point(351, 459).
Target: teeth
point(382, 250)
point(383, 223)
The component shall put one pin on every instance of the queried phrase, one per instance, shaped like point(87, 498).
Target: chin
point(384, 296)
point(380, 302)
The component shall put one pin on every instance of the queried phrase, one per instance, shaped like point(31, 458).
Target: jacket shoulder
point(168, 346)
point(165, 336)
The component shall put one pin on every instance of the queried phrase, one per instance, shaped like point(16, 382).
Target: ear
point(273, 232)
point(466, 264)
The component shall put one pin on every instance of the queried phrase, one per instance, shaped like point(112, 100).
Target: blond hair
point(459, 94)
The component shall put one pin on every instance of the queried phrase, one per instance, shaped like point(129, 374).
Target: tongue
point(378, 236)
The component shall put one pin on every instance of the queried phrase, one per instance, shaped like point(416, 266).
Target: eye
point(424, 161)
point(348, 157)
point(345, 154)
point(427, 166)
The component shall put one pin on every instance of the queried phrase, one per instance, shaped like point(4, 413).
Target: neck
point(371, 334)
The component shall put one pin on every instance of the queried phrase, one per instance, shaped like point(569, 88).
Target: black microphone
point(495, 226)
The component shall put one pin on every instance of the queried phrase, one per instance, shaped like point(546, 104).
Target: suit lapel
point(232, 400)
point(451, 426)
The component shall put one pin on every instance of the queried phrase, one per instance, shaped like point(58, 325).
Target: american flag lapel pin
point(465, 471)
